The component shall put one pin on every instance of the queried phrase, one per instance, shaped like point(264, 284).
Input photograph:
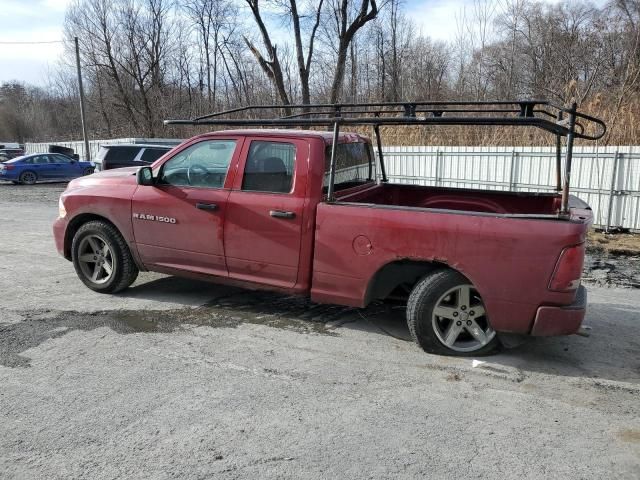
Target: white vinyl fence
point(607, 178)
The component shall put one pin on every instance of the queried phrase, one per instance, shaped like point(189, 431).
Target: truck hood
point(117, 176)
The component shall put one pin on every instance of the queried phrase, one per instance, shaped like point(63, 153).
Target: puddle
point(296, 314)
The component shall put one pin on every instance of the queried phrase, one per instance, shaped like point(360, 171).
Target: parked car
point(12, 152)
point(36, 167)
point(128, 155)
point(4, 157)
point(303, 212)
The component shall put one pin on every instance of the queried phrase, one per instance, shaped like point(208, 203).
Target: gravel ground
point(180, 379)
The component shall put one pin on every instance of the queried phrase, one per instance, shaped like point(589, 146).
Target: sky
point(28, 21)
point(42, 20)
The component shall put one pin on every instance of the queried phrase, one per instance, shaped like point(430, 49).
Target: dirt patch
point(630, 435)
point(613, 243)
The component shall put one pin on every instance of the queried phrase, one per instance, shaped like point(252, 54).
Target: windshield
point(354, 164)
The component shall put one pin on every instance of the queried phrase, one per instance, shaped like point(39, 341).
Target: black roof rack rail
point(536, 113)
point(557, 120)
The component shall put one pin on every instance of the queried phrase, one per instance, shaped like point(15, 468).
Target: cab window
point(354, 165)
point(203, 165)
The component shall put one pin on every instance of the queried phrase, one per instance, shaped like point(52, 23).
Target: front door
point(63, 167)
point(264, 215)
point(178, 222)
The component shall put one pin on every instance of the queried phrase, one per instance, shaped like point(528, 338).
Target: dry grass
point(622, 122)
point(615, 243)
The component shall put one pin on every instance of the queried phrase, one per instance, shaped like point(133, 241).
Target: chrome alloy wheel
point(95, 259)
point(460, 321)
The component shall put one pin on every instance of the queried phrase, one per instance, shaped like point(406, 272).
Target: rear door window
point(122, 154)
point(269, 167)
point(41, 159)
point(150, 155)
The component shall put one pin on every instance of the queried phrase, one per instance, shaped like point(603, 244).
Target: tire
point(87, 171)
point(28, 178)
point(462, 330)
point(102, 259)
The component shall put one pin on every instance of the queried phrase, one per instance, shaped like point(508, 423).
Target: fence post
point(614, 175)
point(438, 168)
point(513, 170)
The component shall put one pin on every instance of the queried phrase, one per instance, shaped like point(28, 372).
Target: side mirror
point(145, 176)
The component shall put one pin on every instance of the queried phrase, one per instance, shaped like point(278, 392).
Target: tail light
point(8, 167)
point(566, 276)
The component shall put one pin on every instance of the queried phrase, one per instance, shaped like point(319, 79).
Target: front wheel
point(446, 315)
point(102, 258)
point(87, 171)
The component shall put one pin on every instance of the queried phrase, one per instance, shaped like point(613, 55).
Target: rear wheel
point(446, 315)
point(102, 258)
point(28, 178)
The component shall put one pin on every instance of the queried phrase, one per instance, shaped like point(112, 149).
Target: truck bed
point(508, 250)
point(486, 201)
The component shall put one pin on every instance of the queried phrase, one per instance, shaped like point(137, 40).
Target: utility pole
point(83, 117)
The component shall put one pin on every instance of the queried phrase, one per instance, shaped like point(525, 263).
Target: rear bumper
point(8, 175)
point(550, 321)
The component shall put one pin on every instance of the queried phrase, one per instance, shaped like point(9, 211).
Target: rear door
point(178, 223)
point(41, 166)
point(265, 212)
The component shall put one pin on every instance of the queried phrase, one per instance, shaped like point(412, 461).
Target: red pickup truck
point(251, 208)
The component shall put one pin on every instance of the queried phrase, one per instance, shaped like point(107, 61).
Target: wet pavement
point(610, 270)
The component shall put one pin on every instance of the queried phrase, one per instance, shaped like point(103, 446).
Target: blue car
point(30, 169)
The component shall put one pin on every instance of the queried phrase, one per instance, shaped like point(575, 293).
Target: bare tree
point(212, 18)
point(347, 19)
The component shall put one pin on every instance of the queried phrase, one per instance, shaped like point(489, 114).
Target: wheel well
point(398, 278)
point(73, 227)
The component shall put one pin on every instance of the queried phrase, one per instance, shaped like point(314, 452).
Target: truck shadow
point(612, 351)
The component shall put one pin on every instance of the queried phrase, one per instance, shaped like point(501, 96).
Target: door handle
point(282, 214)
point(206, 206)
